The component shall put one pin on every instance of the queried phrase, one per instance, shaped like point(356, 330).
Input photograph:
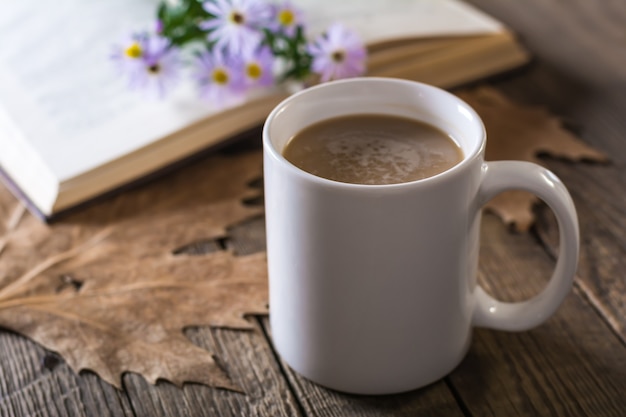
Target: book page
point(384, 20)
point(58, 85)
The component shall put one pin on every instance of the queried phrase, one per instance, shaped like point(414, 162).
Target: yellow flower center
point(220, 76)
point(286, 17)
point(133, 51)
point(338, 56)
point(237, 18)
point(253, 70)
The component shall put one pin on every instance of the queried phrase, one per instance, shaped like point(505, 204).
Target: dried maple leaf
point(516, 132)
point(106, 289)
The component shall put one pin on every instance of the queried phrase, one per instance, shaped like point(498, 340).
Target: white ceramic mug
point(373, 287)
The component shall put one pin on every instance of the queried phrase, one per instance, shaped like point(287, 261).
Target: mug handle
point(506, 175)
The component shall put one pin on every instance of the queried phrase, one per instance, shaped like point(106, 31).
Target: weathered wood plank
point(434, 400)
point(248, 237)
point(248, 360)
point(573, 365)
point(105, 399)
point(35, 382)
point(600, 199)
point(245, 355)
point(580, 76)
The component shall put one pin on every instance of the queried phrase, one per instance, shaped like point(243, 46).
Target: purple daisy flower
point(150, 64)
point(161, 67)
point(285, 19)
point(158, 27)
point(257, 68)
point(339, 53)
point(236, 25)
point(219, 78)
point(128, 56)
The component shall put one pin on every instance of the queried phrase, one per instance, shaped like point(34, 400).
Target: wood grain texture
point(434, 400)
point(108, 275)
point(245, 356)
point(601, 204)
point(579, 73)
point(35, 382)
point(573, 365)
point(248, 360)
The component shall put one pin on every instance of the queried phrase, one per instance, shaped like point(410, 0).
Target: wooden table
point(573, 365)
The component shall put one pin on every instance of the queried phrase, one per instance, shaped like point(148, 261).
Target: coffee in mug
point(373, 287)
point(373, 149)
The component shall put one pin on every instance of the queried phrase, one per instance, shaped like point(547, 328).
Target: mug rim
point(268, 146)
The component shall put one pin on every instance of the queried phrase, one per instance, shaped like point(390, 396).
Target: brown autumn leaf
point(108, 289)
point(516, 132)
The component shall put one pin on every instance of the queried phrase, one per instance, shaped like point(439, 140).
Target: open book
point(70, 131)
